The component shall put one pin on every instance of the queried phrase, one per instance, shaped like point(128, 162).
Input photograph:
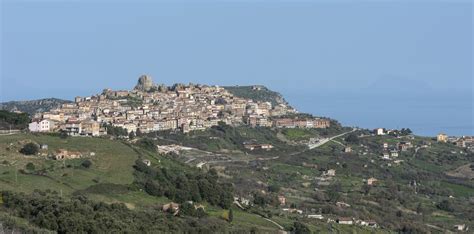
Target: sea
point(424, 115)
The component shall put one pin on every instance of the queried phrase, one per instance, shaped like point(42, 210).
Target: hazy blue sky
point(343, 59)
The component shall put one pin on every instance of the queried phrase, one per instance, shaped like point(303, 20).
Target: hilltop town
point(196, 151)
point(150, 107)
point(190, 153)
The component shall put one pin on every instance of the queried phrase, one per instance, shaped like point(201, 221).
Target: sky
point(366, 63)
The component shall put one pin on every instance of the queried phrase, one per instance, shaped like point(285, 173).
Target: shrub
point(63, 134)
point(299, 227)
point(30, 149)
point(86, 164)
point(274, 188)
point(352, 138)
point(30, 167)
point(445, 205)
point(231, 215)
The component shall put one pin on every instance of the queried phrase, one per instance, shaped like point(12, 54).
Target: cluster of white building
point(183, 107)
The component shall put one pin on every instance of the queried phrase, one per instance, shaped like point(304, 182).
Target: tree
point(30, 167)
point(10, 120)
point(399, 213)
point(366, 189)
point(405, 131)
point(30, 149)
point(334, 192)
point(419, 209)
point(139, 133)
point(445, 205)
point(131, 135)
point(274, 188)
point(231, 215)
point(63, 134)
point(300, 228)
point(187, 208)
point(352, 138)
point(86, 164)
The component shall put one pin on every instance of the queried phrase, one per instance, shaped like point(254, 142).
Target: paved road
point(326, 140)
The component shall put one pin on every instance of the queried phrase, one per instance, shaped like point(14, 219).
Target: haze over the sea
point(370, 64)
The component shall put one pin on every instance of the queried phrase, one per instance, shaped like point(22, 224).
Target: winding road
point(326, 140)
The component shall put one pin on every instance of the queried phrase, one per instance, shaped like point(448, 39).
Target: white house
point(146, 162)
point(315, 216)
point(461, 227)
point(379, 131)
point(345, 220)
point(330, 172)
point(40, 125)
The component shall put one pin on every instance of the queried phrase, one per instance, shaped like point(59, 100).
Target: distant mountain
point(33, 106)
point(257, 93)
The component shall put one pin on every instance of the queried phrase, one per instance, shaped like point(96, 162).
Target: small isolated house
point(65, 154)
point(171, 208)
point(347, 149)
point(330, 172)
point(345, 220)
point(146, 162)
point(315, 216)
point(282, 200)
point(371, 181)
point(379, 131)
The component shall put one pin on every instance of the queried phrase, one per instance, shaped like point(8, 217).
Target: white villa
point(44, 125)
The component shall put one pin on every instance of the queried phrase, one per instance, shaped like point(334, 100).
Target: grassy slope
point(111, 164)
point(288, 172)
point(114, 160)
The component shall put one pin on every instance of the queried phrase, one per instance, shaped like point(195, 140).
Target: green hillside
point(111, 179)
point(440, 199)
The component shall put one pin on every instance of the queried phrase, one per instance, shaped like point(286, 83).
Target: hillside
point(232, 178)
point(116, 175)
point(33, 106)
point(257, 93)
point(416, 190)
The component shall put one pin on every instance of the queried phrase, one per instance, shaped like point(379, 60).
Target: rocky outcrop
point(145, 83)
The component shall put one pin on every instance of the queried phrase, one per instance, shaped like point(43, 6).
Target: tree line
point(80, 215)
point(182, 186)
point(13, 120)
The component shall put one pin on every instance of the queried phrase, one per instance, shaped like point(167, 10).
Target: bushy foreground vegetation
point(10, 120)
point(81, 215)
point(184, 186)
point(418, 194)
